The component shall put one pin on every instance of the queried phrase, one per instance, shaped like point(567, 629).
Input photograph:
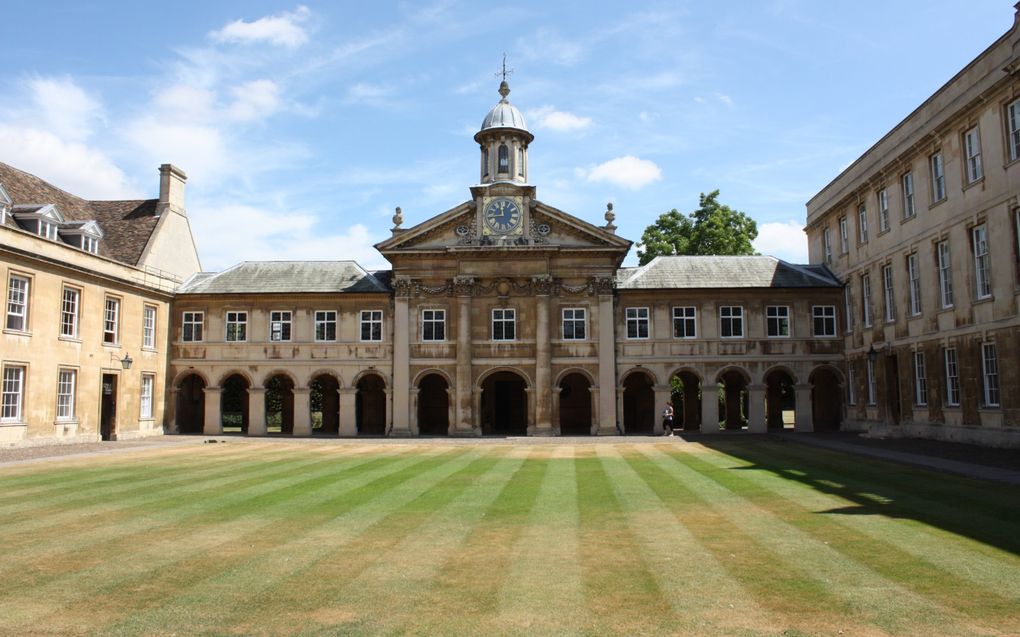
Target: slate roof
point(705, 272)
point(127, 225)
point(262, 277)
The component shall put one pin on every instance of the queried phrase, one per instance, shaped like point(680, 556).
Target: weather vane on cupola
point(504, 88)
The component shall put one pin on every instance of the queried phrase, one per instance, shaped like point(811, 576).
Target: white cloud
point(725, 99)
point(628, 171)
point(254, 100)
point(547, 45)
point(783, 239)
point(71, 166)
point(197, 148)
point(64, 108)
point(283, 29)
point(563, 121)
point(260, 233)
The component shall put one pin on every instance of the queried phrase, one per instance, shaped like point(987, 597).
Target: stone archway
point(433, 406)
point(638, 404)
point(279, 405)
point(190, 414)
point(780, 398)
point(826, 400)
point(734, 405)
point(324, 404)
point(234, 404)
point(370, 406)
point(575, 405)
point(686, 393)
point(504, 405)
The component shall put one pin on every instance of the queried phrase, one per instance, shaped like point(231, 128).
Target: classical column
point(607, 359)
point(476, 400)
point(466, 416)
point(756, 422)
point(803, 420)
point(398, 419)
point(663, 393)
point(256, 411)
point(451, 410)
point(617, 412)
point(170, 412)
point(302, 411)
point(414, 411)
point(555, 407)
point(709, 408)
point(348, 419)
point(529, 395)
point(212, 420)
point(543, 357)
point(594, 410)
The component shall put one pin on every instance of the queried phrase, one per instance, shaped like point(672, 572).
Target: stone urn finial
point(610, 217)
point(398, 218)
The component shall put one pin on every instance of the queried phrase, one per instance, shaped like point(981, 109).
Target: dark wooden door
point(510, 418)
point(108, 408)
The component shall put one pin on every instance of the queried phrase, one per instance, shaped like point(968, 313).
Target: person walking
point(667, 420)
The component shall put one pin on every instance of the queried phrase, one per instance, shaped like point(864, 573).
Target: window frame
point(862, 223)
point(75, 314)
point(909, 200)
point(889, 293)
point(914, 280)
point(111, 337)
point(321, 318)
point(937, 174)
point(883, 210)
point(844, 235)
point(66, 399)
point(827, 244)
point(503, 156)
point(866, 318)
point(637, 320)
point(944, 265)
point(437, 320)
point(952, 376)
point(982, 262)
point(851, 383)
point(734, 320)
point(574, 320)
point(286, 332)
point(232, 326)
point(825, 314)
point(777, 316)
point(920, 380)
point(1013, 130)
point(686, 321)
point(146, 402)
point(25, 302)
point(972, 168)
point(848, 307)
point(990, 375)
point(185, 324)
point(374, 322)
point(872, 389)
point(149, 330)
point(507, 317)
point(19, 395)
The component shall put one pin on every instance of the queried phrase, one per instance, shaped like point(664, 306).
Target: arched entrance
point(638, 404)
point(191, 405)
point(504, 405)
point(279, 403)
point(433, 406)
point(234, 404)
point(686, 392)
point(324, 403)
point(780, 399)
point(734, 399)
point(370, 406)
point(826, 400)
point(575, 405)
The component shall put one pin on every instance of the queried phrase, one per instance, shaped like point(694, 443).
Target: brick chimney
point(171, 189)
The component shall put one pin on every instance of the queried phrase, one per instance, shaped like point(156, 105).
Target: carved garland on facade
point(542, 285)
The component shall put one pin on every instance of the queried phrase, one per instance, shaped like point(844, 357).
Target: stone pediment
point(545, 226)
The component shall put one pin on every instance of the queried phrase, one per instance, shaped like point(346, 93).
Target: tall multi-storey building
point(88, 287)
point(924, 229)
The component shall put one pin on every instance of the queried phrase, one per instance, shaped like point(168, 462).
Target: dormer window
point(504, 159)
point(90, 244)
point(47, 229)
point(82, 234)
point(5, 205)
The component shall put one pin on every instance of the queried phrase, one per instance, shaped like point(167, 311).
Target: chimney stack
point(171, 189)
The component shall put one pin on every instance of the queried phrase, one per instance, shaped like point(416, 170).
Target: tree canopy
point(713, 228)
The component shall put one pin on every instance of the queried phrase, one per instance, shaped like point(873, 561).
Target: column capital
point(463, 285)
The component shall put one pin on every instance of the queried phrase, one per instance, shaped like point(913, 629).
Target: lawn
point(729, 537)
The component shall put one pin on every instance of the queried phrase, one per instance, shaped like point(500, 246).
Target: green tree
point(713, 228)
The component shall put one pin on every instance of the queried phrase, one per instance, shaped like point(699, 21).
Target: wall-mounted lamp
point(872, 354)
point(124, 362)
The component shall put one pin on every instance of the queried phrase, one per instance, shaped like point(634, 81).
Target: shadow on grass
point(986, 512)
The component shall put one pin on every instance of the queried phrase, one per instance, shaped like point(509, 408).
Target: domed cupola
point(504, 139)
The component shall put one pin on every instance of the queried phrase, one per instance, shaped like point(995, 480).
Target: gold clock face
point(502, 215)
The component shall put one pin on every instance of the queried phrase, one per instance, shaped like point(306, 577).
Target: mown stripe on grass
point(941, 585)
point(253, 513)
point(701, 592)
point(856, 593)
point(466, 590)
point(246, 596)
point(621, 594)
point(543, 592)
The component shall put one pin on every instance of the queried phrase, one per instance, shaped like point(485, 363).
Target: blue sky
point(301, 126)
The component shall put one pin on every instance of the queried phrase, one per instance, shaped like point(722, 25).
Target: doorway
point(108, 408)
point(504, 405)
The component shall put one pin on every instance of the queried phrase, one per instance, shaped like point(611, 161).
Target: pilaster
point(709, 408)
point(607, 364)
point(803, 418)
point(756, 422)
point(467, 413)
point(256, 411)
point(398, 418)
point(212, 424)
point(302, 411)
point(348, 422)
point(543, 358)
